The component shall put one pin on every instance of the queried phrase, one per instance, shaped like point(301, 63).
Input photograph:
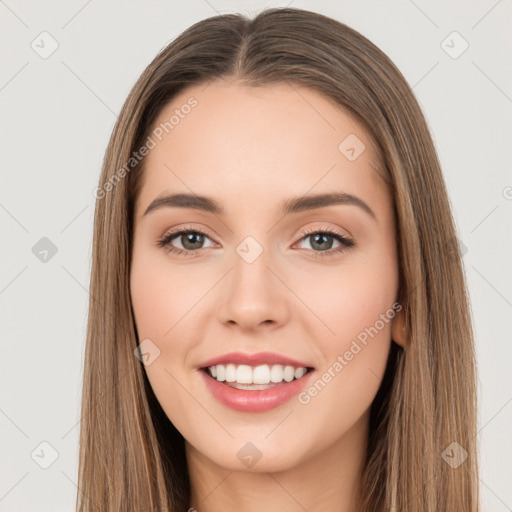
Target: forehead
point(258, 144)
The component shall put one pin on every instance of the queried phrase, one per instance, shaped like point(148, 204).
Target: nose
point(252, 296)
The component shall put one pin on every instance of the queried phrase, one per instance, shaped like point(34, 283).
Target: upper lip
point(255, 359)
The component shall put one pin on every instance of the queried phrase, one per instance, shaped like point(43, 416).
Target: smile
point(255, 389)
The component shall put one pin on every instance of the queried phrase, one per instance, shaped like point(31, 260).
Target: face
point(311, 286)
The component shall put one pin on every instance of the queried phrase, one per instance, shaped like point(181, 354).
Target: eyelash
point(346, 243)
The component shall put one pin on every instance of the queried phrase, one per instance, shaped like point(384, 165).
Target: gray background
point(57, 115)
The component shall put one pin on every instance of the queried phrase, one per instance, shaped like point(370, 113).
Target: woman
point(278, 315)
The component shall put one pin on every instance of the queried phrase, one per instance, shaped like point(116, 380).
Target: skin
point(251, 149)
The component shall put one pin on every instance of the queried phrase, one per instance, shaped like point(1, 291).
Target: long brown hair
point(131, 455)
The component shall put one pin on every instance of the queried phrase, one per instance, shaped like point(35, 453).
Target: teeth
point(244, 374)
point(230, 373)
point(259, 375)
point(300, 372)
point(221, 373)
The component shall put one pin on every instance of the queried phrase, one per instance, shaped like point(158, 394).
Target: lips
point(256, 359)
point(255, 400)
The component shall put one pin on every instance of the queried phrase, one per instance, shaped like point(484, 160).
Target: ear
point(398, 328)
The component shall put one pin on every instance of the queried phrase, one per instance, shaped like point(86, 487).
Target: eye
point(322, 239)
point(191, 241)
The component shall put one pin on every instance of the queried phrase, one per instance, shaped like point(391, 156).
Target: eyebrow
point(290, 206)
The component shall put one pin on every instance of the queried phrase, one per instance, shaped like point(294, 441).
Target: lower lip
point(255, 400)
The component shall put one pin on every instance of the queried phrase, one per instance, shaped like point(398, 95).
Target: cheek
point(159, 302)
point(163, 297)
point(354, 358)
point(351, 298)
point(355, 301)
point(166, 303)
